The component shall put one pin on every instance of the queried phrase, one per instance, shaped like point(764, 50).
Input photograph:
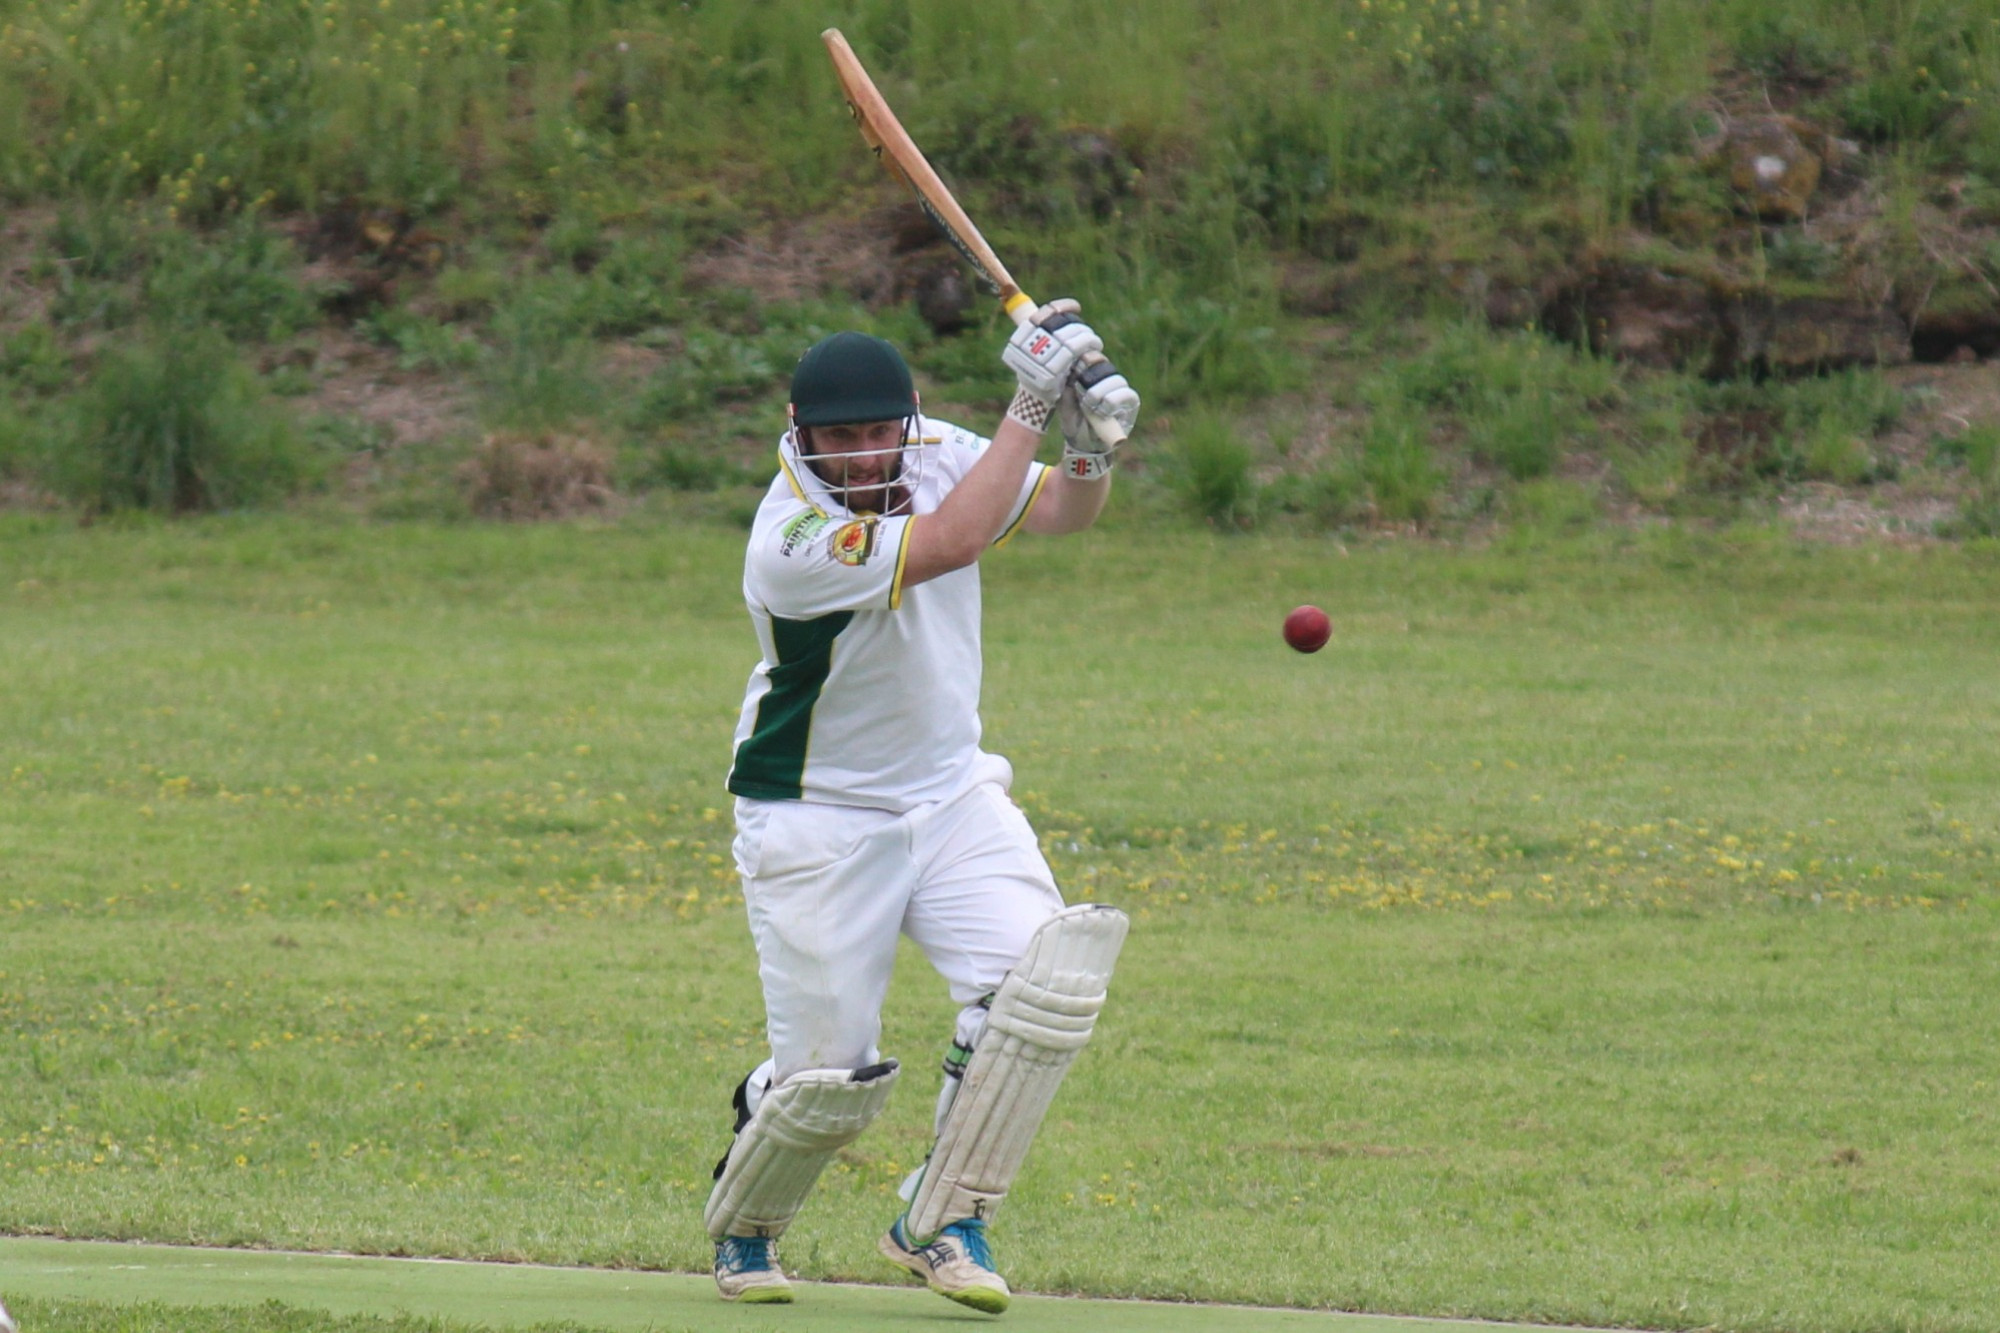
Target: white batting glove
point(1097, 391)
point(1042, 354)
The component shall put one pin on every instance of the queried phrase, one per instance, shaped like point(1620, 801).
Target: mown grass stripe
point(509, 1296)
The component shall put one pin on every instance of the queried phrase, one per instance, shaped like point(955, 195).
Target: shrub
point(97, 241)
point(636, 286)
point(536, 476)
point(464, 291)
point(1895, 104)
point(739, 351)
point(710, 366)
point(1830, 452)
point(1552, 505)
point(1978, 514)
point(965, 367)
point(1469, 362)
point(421, 342)
point(1181, 347)
point(172, 424)
point(1794, 254)
point(1519, 396)
point(113, 266)
point(1208, 468)
point(1820, 428)
point(243, 279)
point(540, 373)
point(680, 465)
point(1651, 462)
point(33, 360)
point(1828, 421)
point(17, 442)
point(1977, 449)
point(1791, 49)
point(1330, 496)
point(1862, 401)
point(1521, 433)
point(1396, 463)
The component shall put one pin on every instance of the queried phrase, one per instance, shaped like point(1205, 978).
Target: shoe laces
point(747, 1254)
point(971, 1233)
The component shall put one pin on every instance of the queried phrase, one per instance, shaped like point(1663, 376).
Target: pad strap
point(1041, 1017)
point(797, 1129)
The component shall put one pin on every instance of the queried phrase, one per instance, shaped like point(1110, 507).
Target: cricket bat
point(894, 148)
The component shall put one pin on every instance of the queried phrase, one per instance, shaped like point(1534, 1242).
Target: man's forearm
point(981, 503)
point(1068, 505)
point(959, 530)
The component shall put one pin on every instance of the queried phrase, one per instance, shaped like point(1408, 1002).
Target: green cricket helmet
point(850, 378)
point(853, 378)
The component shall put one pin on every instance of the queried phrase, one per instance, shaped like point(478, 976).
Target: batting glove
point(1097, 391)
point(1042, 354)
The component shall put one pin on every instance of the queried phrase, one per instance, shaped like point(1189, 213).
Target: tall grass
point(1295, 109)
point(175, 424)
point(1208, 468)
point(1148, 156)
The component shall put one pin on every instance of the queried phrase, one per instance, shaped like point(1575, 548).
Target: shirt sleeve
point(814, 564)
point(1031, 490)
point(961, 449)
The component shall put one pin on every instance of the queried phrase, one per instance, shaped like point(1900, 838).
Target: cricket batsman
point(866, 809)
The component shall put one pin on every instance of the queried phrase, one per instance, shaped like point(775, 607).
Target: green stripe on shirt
point(771, 763)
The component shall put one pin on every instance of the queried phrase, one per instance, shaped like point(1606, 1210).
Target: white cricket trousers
point(828, 888)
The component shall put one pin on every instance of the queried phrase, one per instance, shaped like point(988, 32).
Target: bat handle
point(1021, 307)
point(1107, 430)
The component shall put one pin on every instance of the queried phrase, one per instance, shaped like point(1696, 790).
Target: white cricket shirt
point(868, 692)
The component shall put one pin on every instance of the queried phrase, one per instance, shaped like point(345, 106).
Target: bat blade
point(894, 149)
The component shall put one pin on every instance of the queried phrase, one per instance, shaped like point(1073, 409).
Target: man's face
point(860, 461)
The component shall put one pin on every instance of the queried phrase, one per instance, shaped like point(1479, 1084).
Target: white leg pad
point(1041, 1017)
point(798, 1128)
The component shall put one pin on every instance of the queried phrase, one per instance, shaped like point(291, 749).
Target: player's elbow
point(934, 553)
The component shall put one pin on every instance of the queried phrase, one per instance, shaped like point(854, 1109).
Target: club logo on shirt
point(801, 530)
point(852, 543)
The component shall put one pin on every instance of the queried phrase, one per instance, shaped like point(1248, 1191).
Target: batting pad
point(795, 1133)
point(1040, 1018)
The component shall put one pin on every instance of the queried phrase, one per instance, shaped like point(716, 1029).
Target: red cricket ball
point(1307, 629)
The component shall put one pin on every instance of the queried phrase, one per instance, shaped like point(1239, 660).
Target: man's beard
point(890, 498)
point(868, 497)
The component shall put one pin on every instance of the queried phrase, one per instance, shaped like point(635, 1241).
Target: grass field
point(1596, 933)
point(133, 1288)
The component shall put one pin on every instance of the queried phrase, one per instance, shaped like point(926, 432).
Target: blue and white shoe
point(958, 1264)
point(747, 1270)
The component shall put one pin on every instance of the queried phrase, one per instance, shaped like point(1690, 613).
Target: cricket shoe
point(957, 1265)
point(6, 1321)
point(746, 1269)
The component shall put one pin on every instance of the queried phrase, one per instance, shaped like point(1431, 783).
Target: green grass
point(421, 104)
point(1595, 932)
point(74, 1316)
point(239, 1291)
point(517, 199)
